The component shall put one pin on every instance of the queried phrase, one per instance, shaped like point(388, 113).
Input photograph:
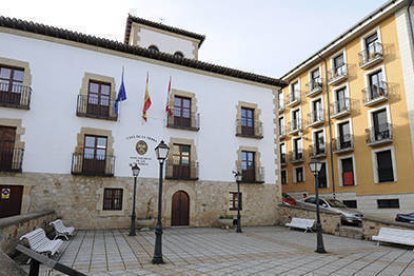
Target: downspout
point(329, 124)
point(410, 21)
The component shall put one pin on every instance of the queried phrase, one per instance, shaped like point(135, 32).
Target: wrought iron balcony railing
point(376, 93)
point(15, 95)
point(343, 143)
point(371, 56)
point(294, 126)
point(283, 158)
point(293, 98)
point(317, 151)
point(249, 128)
point(316, 117)
point(380, 134)
point(341, 108)
point(190, 122)
point(314, 87)
point(181, 171)
point(95, 107)
point(338, 74)
point(296, 157)
point(11, 159)
point(98, 165)
point(255, 175)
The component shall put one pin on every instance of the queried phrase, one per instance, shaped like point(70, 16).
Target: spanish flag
point(147, 101)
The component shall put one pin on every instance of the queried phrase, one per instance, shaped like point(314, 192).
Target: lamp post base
point(320, 248)
point(132, 231)
point(157, 260)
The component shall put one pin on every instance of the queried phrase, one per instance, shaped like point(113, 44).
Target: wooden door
point(10, 200)
point(180, 209)
point(7, 139)
point(98, 99)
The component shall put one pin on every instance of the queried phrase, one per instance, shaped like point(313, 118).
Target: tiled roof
point(36, 28)
point(160, 26)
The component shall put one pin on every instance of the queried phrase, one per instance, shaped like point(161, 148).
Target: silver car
point(349, 216)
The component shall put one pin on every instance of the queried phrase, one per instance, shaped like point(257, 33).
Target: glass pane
point(186, 113)
point(186, 103)
point(105, 89)
point(93, 87)
point(90, 141)
point(101, 142)
point(88, 153)
point(100, 154)
point(105, 101)
point(5, 73)
point(18, 75)
point(4, 85)
point(93, 99)
point(185, 149)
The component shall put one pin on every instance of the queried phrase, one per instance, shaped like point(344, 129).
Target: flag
point(121, 93)
point(147, 101)
point(167, 107)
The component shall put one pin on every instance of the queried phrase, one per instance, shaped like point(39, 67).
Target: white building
point(63, 147)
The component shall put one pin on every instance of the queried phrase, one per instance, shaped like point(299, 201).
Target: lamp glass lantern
point(315, 166)
point(238, 177)
point(135, 170)
point(162, 151)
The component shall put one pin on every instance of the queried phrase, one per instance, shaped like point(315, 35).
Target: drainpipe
point(329, 124)
point(410, 21)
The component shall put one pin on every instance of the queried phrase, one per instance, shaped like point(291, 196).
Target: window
point(388, 203)
point(11, 84)
point(317, 111)
point(339, 64)
point(283, 176)
point(316, 81)
point(182, 112)
point(248, 166)
point(8, 150)
point(377, 86)
point(297, 149)
point(282, 126)
point(319, 142)
point(347, 171)
point(98, 101)
point(282, 153)
point(294, 91)
point(371, 45)
point(350, 203)
point(181, 161)
point(299, 174)
point(381, 130)
point(179, 54)
point(94, 155)
point(153, 48)
point(281, 98)
point(384, 166)
point(296, 120)
point(322, 178)
point(112, 199)
point(345, 138)
point(247, 121)
point(234, 201)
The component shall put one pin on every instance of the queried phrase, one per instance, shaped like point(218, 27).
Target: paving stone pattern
point(208, 251)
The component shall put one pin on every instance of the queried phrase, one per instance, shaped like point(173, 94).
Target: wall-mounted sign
point(141, 144)
point(5, 193)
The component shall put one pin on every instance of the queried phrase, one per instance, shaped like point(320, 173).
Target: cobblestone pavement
point(256, 251)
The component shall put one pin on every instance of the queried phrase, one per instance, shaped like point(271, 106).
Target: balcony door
point(317, 110)
point(7, 141)
point(295, 119)
point(339, 65)
point(181, 161)
point(319, 142)
point(182, 112)
point(340, 96)
point(247, 121)
point(94, 155)
point(381, 128)
point(376, 85)
point(98, 102)
point(248, 166)
point(347, 172)
point(344, 131)
point(11, 80)
point(371, 45)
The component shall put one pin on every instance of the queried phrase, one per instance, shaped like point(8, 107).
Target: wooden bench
point(39, 243)
point(61, 230)
point(301, 223)
point(392, 235)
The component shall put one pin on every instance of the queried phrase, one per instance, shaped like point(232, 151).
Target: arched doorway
point(180, 209)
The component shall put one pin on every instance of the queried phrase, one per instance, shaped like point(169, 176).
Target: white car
point(349, 216)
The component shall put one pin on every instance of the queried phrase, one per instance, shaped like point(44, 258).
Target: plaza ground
point(211, 251)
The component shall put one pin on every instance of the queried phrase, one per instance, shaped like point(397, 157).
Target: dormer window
point(153, 49)
point(178, 54)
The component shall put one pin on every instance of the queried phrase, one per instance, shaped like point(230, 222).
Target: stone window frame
point(27, 78)
point(258, 128)
point(195, 120)
point(258, 168)
point(83, 92)
point(95, 132)
point(17, 123)
point(193, 157)
point(111, 213)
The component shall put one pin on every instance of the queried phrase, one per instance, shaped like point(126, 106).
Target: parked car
point(288, 200)
point(349, 216)
point(405, 217)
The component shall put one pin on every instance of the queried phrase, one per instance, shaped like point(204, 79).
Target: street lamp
point(135, 173)
point(315, 166)
point(162, 152)
point(238, 178)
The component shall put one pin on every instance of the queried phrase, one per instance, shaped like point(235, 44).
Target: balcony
point(11, 159)
point(343, 144)
point(249, 128)
point(99, 165)
point(296, 157)
point(317, 151)
point(181, 171)
point(338, 75)
point(379, 135)
point(255, 175)
point(316, 118)
point(15, 95)
point(192, 122)
point(293, 99)
point(98, 108)
point(295, 127)
point(371, 56)
point(314, 88)
point(341, 108)
point(282, 132)
point(283, 160)
point(375, 94)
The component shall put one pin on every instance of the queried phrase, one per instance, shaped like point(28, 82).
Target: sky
point(266, 37)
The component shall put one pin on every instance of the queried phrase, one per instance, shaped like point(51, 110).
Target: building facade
point(64, 146)
point(351, 106)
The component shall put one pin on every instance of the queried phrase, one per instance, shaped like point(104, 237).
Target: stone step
point(350, 232)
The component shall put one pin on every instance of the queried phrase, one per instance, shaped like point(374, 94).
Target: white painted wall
point(166, 43)
point(51, 124)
